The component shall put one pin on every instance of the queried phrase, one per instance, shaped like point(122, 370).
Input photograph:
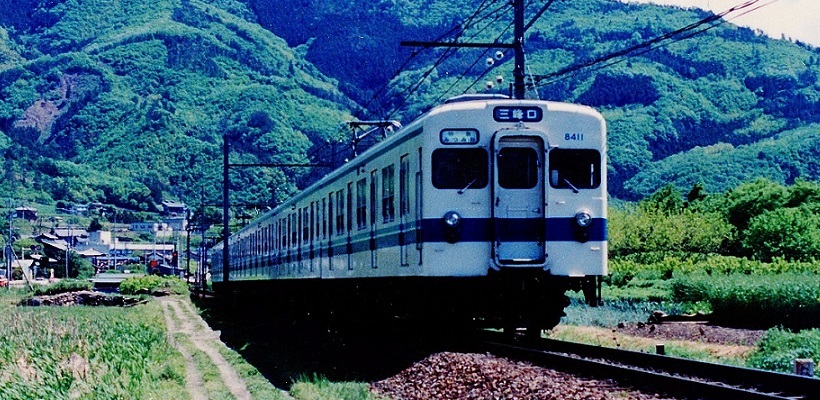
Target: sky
point(797, 19)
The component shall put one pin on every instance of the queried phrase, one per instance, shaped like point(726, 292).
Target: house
point(159, 229)
point(27, 213)
point(174, 209)
point(71, 235)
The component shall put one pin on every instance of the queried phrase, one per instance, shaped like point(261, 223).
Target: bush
point(63, 286)
point(791, 300)
point(152, 284)
point(779, 348)
point(793, 233)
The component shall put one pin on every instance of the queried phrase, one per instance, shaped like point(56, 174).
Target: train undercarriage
point(503, 300)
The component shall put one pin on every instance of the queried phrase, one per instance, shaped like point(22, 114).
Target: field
point(140, 352)
point(84, 352)
point(136, 353)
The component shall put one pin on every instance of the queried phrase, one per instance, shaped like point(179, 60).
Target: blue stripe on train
point(433, 230)
point(482, 229)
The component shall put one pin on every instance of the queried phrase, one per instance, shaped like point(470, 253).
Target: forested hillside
point(127, 102)
point(715, 104)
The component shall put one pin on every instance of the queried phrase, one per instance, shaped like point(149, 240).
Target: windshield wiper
point(574, 189)
point(461, 191)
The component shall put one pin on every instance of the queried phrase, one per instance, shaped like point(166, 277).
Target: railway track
point(663, 374)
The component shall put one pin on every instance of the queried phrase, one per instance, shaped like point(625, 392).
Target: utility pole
point(226, 217)
point(517, 46)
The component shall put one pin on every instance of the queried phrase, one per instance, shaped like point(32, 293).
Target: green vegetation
point(319, 388)
point(149, 284)
point(750, 251)
point(127, 105)
point(84, 352)
point(63, 286)
point(779, 348)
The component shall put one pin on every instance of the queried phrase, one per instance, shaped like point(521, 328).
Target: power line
point(677, 35)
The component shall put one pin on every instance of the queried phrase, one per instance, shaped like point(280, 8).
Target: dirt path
point(181, 318)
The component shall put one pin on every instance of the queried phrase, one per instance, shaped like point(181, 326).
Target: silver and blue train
point(485, 211)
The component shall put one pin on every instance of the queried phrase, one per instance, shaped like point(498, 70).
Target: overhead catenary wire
point(455, 31)
point(663, 40)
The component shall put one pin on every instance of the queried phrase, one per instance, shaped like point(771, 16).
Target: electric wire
point(456, 30)
point(663, 40)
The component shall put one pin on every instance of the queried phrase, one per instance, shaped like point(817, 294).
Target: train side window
point(517, 168)
point(283, 235)
point(373, 196)
point(305, 225)
point(324, 218)
point(294, 230)
point(350, 206)
point(575, 169)
point(404, 186)
point(314, 221)
point(460, 168)
point(388, 194)
point(330, 214)
point(340, 212)
point(361, 204)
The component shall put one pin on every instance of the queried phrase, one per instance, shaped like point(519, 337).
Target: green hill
point(127, 102)
point(714, 86)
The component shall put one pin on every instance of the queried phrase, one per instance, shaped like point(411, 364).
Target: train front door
point(518, 198)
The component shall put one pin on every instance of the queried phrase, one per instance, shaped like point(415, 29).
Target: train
point(484, 211)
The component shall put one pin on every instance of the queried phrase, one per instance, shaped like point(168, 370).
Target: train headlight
point(452, 219)
point(583, 219)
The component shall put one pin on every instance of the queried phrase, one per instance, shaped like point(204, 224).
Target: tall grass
point(84, 352)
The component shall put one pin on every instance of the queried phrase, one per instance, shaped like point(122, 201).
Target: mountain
point(128, 102)
point(712, 87)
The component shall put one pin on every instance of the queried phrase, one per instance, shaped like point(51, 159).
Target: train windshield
point(575, 169)
point(517, 168)
point(460, 168)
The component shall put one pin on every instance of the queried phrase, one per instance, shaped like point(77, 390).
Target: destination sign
point(518, 114)
point(459, 136)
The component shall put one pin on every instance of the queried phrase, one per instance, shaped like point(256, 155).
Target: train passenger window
point(314, 221)
point(517, 168)
point(294, 229)
point(283, 234)
point(361, 204)
point(330, 214)
point(373, 206)
point(324, 218)
point(340, 212)
point(305, 225)
point(575, 169)
point(350, 206)
point(404, 186)
point(388, 194)
point(460, 168)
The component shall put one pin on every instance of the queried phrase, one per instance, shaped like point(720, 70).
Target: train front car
point(517, 196)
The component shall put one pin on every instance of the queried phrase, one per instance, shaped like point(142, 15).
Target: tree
point(95, 225)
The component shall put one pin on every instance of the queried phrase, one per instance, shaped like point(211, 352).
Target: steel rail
point(673, 375)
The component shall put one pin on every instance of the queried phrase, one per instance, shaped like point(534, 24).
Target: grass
point(84, 352)
point(598, 336)
point(319, 388)
point(614, 311)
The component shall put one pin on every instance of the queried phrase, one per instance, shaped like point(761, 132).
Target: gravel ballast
point(480, 376)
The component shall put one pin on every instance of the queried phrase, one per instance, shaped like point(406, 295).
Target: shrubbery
point(151, 284)
point(755, 301)
point(63, 286)
point(779, 348)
